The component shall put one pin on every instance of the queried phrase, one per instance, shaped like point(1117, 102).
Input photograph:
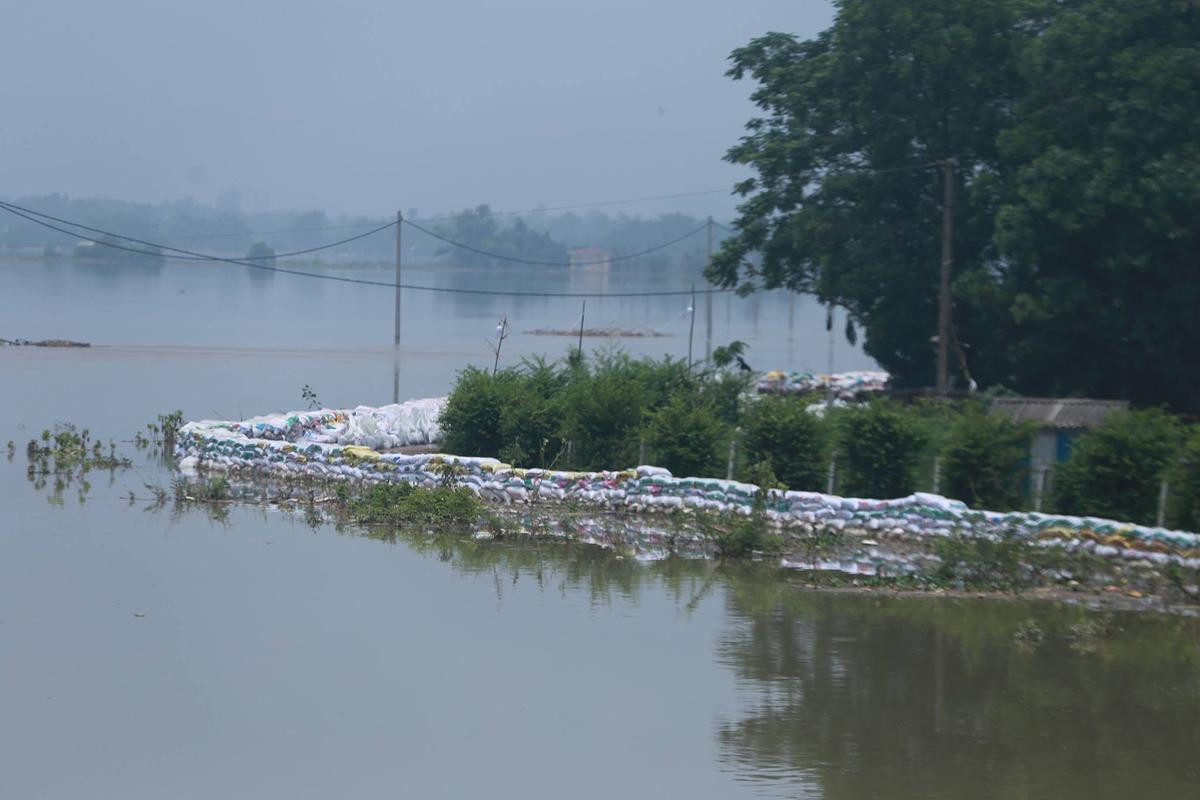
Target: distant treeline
point(230, 232)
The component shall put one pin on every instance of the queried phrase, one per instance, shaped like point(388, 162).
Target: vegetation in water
point(67, 450)
point(161, 433)
point(403, 503)
point(63, 458)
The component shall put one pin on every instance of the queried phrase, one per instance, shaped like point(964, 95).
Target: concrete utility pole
point(692, 328)
point(582, 317)
point(399, 254)
point(708, 305)
point(943, 359)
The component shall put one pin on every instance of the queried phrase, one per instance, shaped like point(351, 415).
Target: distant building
point(590, 259)
point(1059, 421)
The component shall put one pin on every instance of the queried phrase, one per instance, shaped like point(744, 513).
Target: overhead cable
point(191, 256)
point(517, 260)
point(185, 255)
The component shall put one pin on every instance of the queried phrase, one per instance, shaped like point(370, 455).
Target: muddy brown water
point(145, 654)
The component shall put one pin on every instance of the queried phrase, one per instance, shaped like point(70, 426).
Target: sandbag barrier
point(414, 422)
point(295, 445)
point(843, 385)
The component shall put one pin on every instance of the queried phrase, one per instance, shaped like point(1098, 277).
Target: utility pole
point(708, 305)
point(943, 358)
point(829, 372)
point(582, 316)
point(692, 328)
point(399, 254)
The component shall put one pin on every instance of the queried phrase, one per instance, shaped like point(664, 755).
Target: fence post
point(1163, 490)
point(937, 474)
point(1039, 487)
point(829, 489)
point(732, 454)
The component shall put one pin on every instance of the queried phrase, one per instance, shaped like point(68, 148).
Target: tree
point(261, 253)
point(477, 228)
point(1077, 184)
point(1100, 225)
point(844, 204)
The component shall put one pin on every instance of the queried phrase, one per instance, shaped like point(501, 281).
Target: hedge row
point(614, 411)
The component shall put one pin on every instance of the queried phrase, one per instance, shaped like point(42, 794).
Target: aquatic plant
point(400, 503)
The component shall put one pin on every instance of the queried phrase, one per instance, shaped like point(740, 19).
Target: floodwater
point(146, 654)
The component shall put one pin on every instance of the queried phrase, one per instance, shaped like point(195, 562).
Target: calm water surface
point(280, 659)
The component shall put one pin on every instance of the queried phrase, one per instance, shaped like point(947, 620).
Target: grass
point(400, 503)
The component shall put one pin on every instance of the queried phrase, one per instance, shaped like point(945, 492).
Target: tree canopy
point(479, 229)
point(1077, 180)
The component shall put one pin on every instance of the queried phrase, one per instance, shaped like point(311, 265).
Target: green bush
point(985, 459)
point(1184, 476)
point(404, 503)
point(780, 431)
point(514, 415)
point(1115, 469)
point(601, 416)
point(879, 445)
point(687, 437)
point(471, 419)
point(531, 416)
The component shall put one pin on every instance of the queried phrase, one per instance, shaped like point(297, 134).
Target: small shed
point(1059, 421)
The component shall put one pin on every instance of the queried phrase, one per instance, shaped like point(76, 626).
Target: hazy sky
point(373, 105)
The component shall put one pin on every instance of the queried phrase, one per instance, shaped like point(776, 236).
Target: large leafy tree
point(844, 203)
point(1072, 124)
point(1102, 231)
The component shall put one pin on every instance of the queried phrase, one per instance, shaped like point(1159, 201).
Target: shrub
point(879, 445)
point(985, 459)
point(404, 503)
point(1184, 476)
point(687, 437)
point(602, 415)
point(976, 562)
point(738, 537)
point(471, 419)
point(1114, 470)
point(530, 415)
point(783, 433)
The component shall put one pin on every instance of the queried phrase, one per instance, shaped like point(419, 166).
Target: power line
point(234, 234)
point(535, 262)
point(192, 256)
point(447, 217)
point(186, 255)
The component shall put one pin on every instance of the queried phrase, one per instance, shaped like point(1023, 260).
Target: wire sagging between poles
point(179, 254)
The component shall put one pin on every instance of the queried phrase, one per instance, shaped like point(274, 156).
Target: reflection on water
point(904, 697)
point(861, 695)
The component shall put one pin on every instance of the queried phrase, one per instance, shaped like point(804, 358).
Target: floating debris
point(42, 343)
point(602, 333)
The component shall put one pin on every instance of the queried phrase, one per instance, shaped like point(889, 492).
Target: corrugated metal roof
point(1059, 413)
